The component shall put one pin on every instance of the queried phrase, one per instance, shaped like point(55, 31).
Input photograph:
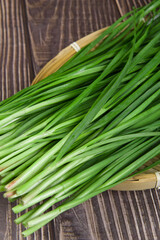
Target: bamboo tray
point(149, 179)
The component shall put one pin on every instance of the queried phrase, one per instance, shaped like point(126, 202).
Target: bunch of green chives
point(87, 127)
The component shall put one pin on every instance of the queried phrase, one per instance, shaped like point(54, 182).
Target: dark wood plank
point(54, 25)
point(32, 32)
point(15, 72)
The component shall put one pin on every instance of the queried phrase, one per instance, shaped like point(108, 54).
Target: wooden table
point(31, 33)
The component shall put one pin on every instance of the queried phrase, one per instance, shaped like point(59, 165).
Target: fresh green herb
point(87, 127)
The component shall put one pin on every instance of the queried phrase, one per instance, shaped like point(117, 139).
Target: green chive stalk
point(87, 127)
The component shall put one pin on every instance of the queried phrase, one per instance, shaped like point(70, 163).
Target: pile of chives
point(87, 127)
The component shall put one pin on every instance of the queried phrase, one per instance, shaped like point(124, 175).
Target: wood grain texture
point(31, 33)
point(15, 72)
